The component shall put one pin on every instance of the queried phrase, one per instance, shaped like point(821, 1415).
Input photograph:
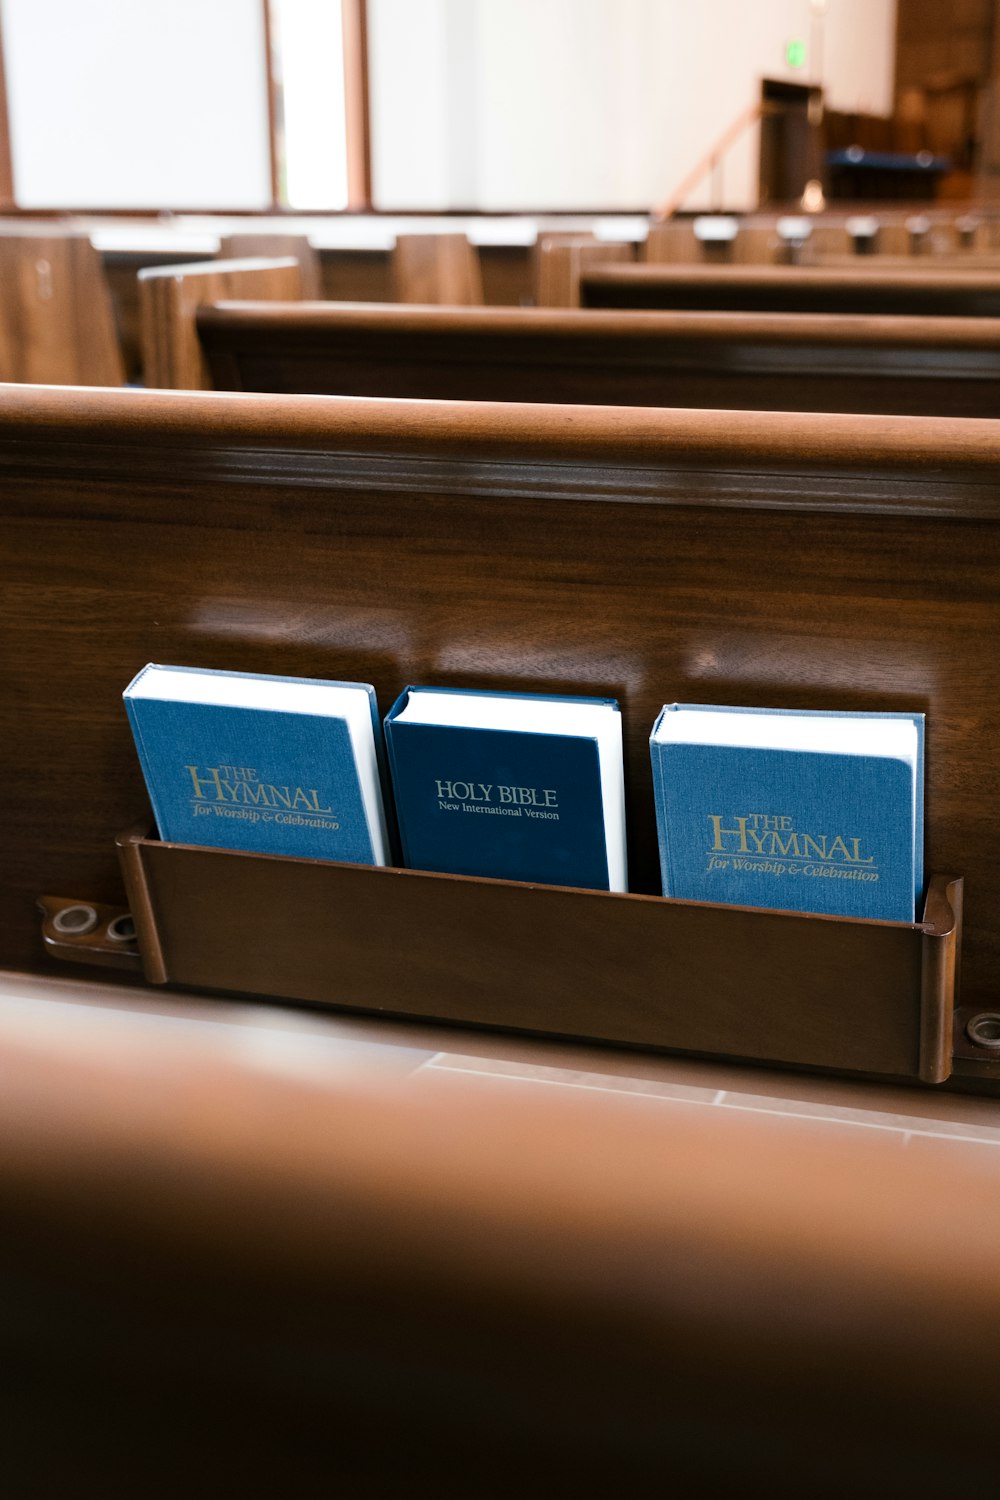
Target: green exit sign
point(795, 54)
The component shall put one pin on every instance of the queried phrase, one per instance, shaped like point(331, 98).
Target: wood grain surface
point(57, 325)
point(759, 361)
point(865, 288)
point(169, 295)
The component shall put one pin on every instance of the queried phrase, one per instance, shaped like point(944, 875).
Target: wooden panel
point(436, 268)
point(673, 242)
point(172, 356)
point(121, 272)
point(869, 996)
point(772, 361)
point(271, 246)
point(869, 289)
point(508, 273)
point(560, 260)
point(56, 321)
point(356, 275)
point(793, 561)
point(757, 244)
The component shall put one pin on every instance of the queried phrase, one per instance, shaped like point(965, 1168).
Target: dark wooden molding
point(356, 104)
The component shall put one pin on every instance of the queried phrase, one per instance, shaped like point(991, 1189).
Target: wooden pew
point(785, 560)
point(774, 362)
point(436, 268)
point(56, 320)
point(559, 259)
point(868, 289)
point(225, 1277)
point(169, 296)
point(124, 251)
point(270, 246)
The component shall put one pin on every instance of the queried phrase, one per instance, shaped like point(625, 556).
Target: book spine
point(662, 831)
point(397, 808)
point(146, 764)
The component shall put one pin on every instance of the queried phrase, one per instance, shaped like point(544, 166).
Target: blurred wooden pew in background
point(57, 325)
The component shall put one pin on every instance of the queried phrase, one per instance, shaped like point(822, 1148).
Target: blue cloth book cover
point(518, 787)
point(269, 765)
point(806, 810)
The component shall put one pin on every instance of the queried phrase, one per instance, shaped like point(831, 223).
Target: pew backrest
point(57, 325)
point(172, 356)
point(786, 560)
point(866, 288)
point(766, 361)
point(559, 260)
point(271, 246)
point(436, 268)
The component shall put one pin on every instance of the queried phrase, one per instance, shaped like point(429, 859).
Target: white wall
point(410, 104)
point(534, 104)
point(137, 103)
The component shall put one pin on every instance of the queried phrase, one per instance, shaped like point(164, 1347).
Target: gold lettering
point(211, 780)
point(740, 832)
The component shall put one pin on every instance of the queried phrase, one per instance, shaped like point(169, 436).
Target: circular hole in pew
point(75, 921)
point(122, 929)
point(984, 1030)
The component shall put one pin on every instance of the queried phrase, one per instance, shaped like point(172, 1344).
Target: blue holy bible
point(515, 786)
point(797, 810)
point(269, 765)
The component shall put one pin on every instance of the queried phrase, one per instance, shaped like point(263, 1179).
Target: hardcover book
point(520, 787)
point(792, 809)
point(270, 765)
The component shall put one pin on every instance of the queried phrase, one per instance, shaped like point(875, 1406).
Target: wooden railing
point(712, 159)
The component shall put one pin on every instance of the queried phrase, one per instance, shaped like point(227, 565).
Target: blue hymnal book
point(799, 810)
point(516, 786)
point(270, 765)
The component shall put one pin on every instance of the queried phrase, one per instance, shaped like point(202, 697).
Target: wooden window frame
point(6, 160)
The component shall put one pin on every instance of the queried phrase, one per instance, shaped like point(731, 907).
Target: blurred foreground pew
point(223, 1278)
